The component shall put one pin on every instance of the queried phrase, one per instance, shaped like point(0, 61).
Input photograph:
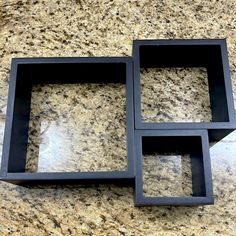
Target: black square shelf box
point(25, 72)
point(174, 142)
point(210, 54)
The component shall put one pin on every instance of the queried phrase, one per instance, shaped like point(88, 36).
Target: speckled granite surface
point(86, 28)
point(167, 175)
point(175, 94)
point(77, 127)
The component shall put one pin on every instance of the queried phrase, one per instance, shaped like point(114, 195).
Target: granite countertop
point(106, 28)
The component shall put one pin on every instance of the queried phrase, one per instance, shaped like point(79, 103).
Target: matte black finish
point(211, 54)
point(193, 142)
point(142, 138)
point(28, 71)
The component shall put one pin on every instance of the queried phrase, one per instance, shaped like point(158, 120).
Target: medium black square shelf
point(26, 72)
point(192, 142)
point(210, 54)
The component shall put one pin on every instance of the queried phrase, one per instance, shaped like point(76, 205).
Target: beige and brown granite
point(167, 175)
point(181, 95)
point(31, 28)
point(77, 127)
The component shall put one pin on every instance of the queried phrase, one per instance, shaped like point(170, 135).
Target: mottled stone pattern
point(77, 127)
point(167, 175)
point(175, 95)
point(30, 28)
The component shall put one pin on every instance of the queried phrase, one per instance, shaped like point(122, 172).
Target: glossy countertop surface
point(90, 135)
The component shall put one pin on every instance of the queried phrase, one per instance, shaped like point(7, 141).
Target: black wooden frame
point(28, 71)
point(208, 53)
point(200, 164)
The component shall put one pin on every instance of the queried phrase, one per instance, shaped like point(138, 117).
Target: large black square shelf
point(28, 71)
point(195, 143)
point(211, 54)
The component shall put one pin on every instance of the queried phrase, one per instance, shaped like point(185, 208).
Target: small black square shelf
point(192, 142)
point(28, 71)
point(210, 54)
